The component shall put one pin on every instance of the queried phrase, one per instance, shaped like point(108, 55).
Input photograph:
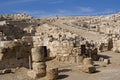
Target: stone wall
point(12, 32)
point(14, 54)
point(57, 40)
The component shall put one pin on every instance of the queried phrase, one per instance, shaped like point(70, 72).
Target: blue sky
point(46, 8)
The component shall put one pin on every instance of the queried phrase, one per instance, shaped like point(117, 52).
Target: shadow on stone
point(96, 65)
point(97, 71)
point(62, 76)
point(65, 70)
point(104, 56)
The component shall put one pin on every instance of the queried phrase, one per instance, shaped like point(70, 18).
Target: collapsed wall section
point(14, 54)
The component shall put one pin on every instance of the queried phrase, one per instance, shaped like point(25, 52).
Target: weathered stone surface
point(52, 74)
point(39, 70)
point(88, 69)
point(58, 40)
point(14, 54)
point(39, 67)
point(34, 75)
point(6, 71)
point(106, 61)
point(37, 54)
point(47, 32)
point(87, 61)
point(79, 59)
point(1, 56)
point(72, 59)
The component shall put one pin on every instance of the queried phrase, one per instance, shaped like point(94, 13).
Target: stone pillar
point(38, 63)
point(37, 54)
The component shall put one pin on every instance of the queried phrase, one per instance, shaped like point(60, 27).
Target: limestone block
point(71, 44)
point(6, 71)
point(64, 58)
point(10, 44)
point(39, 68)
point(88, 69)
point(87, 61)
point(58, 57)
point(52, 74)
point(32, 74)
point(114, 49)
point(118, 48)
point(79, 59)
point(106, 61)
point(76, 51)
point(118, 42)
point(72, 59)
point(37, 54)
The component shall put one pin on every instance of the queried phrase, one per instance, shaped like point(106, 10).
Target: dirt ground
point(72, 72)
point(110, 72)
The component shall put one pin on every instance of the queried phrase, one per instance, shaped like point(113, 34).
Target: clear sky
point(42, 8)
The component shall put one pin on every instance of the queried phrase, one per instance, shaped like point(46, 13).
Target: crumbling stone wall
point(57, 40)
point(11, 32)
point(14, 54)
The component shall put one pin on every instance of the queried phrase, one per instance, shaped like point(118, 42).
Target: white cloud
point(106, 12)
point(59, 12)
point(37, 13)
point(86, 9)
point(16, 2)
point(62, 12)
point(56, 2)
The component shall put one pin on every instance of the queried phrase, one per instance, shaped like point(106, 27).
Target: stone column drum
point(38, 63)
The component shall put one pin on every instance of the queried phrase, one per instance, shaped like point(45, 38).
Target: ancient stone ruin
point(44, 46)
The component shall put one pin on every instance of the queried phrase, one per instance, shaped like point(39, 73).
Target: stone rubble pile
point(58, 41)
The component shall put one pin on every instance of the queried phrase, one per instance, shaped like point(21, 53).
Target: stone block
point(106, 61)
point(87, 61)
point(52, 74)
point(37, 54)
point(6, 71)
point(39, 68)
point(72, 59)
point(79, 59)
point(32, 74)
point(88, 69)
